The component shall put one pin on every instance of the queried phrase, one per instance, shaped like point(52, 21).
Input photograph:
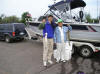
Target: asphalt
point(26, 58)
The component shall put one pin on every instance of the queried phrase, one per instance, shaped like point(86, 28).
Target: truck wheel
point(21, 39)
point(7, 39)
point(86, 51)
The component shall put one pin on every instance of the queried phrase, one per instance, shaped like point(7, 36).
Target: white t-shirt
point(62, 34)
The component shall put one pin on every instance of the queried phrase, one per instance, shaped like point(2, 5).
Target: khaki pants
point(47, 49)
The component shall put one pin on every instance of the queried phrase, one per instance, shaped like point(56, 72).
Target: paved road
point(26, 58)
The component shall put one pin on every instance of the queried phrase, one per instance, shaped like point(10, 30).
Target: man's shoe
point(50, 62)
point(45, 64)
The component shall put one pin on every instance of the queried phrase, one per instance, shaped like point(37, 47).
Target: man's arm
point(69, 27)
point(46, 28)
point(39, 26)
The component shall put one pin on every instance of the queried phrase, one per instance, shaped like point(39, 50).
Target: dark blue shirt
point(49, 29)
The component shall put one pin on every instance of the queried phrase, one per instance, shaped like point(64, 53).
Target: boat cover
point(73, 4)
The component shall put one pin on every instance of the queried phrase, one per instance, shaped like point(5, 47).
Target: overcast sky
point(38, 7)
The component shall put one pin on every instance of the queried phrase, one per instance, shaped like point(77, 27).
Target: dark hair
point(43, 17)
point(50, 16)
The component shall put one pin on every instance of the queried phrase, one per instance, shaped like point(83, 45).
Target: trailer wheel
point(86, 51)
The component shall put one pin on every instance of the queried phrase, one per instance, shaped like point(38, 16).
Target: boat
point(85, 36)
point(82, 31)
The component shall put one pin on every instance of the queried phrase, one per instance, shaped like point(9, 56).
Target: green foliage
point(95, 20)
point(88, 18)
point(13, 19)
point(26, 17)
point(1, 17)
point(91, 20)
point(0, 20)
point(9, 19)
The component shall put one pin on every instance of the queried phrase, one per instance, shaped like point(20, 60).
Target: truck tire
point(86, 51)
point(8, 39)
point(22, 39)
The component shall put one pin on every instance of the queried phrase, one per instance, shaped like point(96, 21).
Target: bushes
point(26, 16)
point(9, 19)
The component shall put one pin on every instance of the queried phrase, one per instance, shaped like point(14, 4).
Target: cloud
point(17, 7)
point(92, 7)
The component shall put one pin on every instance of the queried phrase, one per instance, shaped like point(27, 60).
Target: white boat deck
point(75, 35)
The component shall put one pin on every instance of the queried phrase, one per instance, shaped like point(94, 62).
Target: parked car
point(12, 31)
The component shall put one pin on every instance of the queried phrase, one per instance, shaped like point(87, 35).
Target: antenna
point(99, 15)
point(97, 10)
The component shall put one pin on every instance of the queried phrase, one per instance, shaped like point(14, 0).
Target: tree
point(26, 16)
point(1, 17)
point(91, 20)
point(88, 18)
point(0, 20)
point(10, 19)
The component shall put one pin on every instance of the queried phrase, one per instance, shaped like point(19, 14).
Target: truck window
point(1, 27)
point(19, 26)
point(8, 27)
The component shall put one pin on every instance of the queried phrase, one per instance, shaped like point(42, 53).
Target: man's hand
point(55, 46)
point(68, 24)
point(45, 37)
point(54, 43)
point(45, 34)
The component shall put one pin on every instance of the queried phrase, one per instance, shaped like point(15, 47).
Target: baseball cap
point(59, 21)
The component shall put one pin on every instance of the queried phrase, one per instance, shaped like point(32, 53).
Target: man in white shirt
point(60, 39)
